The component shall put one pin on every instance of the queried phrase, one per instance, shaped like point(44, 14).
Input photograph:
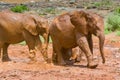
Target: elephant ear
point(31, 26)
point(91, 21)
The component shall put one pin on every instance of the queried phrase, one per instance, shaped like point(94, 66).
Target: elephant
point(76, 54)
point(17, 27)
point(73, 29)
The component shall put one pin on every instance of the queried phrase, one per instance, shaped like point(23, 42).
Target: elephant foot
point(5, 59)
point(54, 61)
point(31, 62)
point(48, 60)
point(78, 59)
point(103, 61)
point(32, 58)
point(92, 65)
point(70, 62)
point(62, 63)
point(32, 55)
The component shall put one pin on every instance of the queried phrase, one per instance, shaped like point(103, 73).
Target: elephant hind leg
point(5, 56)
point(58, 51)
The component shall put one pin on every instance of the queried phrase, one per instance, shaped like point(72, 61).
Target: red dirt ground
point(20, 69)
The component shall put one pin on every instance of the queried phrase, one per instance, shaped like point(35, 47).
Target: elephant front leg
point(5, 56)
point(90, 42)
point(83, 44)
point(77, 54)
point(58, 51)
point(30, 41)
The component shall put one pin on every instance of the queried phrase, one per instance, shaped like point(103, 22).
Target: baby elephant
point(17, 27)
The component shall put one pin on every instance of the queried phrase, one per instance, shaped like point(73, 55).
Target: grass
point(99, 4)
point(20, 8)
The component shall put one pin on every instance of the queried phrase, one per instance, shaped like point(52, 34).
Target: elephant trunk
point(101, 44)
point(45, 46)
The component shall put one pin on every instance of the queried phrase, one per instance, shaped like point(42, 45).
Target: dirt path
point(20, 69)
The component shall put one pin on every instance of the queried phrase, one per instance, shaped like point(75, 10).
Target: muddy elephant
point(17, 27)
point(73, 29)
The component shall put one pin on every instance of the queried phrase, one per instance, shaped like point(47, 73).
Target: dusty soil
point(20, 68)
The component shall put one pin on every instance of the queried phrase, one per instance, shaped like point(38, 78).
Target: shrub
point(117, 10)
point(113, 22)
point(19, 8)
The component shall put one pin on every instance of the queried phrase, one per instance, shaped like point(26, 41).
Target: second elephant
point(17, 27)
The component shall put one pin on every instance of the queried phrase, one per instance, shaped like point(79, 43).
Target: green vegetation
point(117, 11)
point(19, 8)
point(112, 22)
point(41, 38)
point(118, 33)
point(99, 4)
point(49, 10)
point(22, 43)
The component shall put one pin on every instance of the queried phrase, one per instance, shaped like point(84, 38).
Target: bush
point(113, 22)
point(19, 8)
point(117, 11)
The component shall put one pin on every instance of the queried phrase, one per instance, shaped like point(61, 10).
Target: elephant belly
point(68, 41)
point(11, 38)
point(15, 39)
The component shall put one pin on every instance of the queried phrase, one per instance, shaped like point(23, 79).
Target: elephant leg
point(58, 50)
point(90, 42)
point(82, 43)
point(54, 56)
point(67, 53)
point(1, 54)
point(80, 56)
point(5, 53)
point(76, 54)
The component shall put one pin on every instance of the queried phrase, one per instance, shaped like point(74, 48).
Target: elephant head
point(41, 27)
point(88, 23)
